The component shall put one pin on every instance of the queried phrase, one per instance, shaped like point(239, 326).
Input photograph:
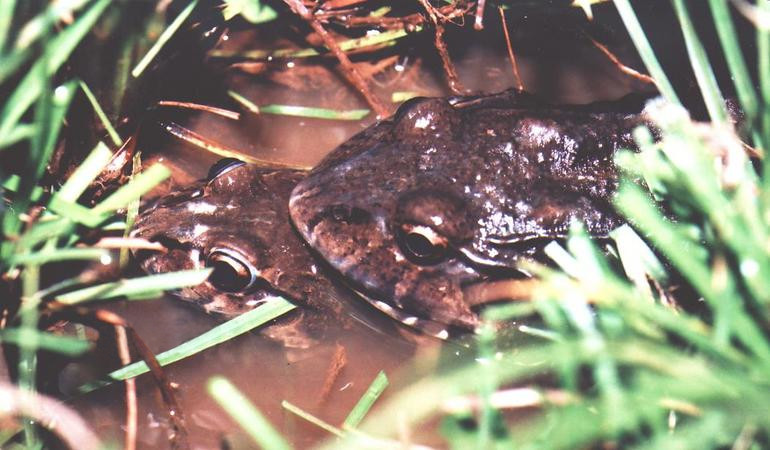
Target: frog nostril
point(348, 214)
point(340, 213)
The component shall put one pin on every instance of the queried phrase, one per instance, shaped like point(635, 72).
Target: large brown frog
point(236, 222)
point(454, 192)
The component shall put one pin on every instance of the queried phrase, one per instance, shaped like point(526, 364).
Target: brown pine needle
point(449, 69)
point(622, 67)
point(511, 56)
point(206, 108)
point(204, 143)
point(478, 24)
point(131, 408)
point(350, 71)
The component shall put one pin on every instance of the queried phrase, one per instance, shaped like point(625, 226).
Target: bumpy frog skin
point(237, 222)
point(455, 192)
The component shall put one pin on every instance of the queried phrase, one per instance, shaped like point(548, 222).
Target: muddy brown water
point(571, 71)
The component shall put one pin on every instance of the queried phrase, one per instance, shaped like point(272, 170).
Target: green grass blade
point(312, 419)
point(314, 113)
point(563, 259)
point(111, 131)
point(299, 111)
point(86, 172)
point(254, 11)
point(136, 286)
point(763, 69)
point(32, 338)
point(65, 254)
point(626, 237)
point(42, 231)
point(39, 25)
point(701, 67)
point(22, 131)
point(384, 38)
point(47, 109)
point(763, 63)
point(77, 212)
point(635, 205)
point(58, 50)
point(638, 260)
point(132, 211)
point(12, 183)
point(402, 96)
point(140, 185)
point(740, 74)
point(6, 14)
point(10, 63)
point(246, 414)
point(366, 401)
point(244, 323)
point(645, 50)
point(163, 39)
point(61, 99)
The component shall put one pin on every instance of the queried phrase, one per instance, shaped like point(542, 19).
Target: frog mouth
point(425, 326)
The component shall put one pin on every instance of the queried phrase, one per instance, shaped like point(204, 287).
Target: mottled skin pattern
point(495, 178)
point(243, 211)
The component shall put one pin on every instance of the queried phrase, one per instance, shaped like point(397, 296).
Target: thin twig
point(408, 22)
point(511, 57)
point(207, 144)
point(449, 69)
point(622, 67)
point(5, 375)
point(339, 360)
point(478, 24)
point(491, 291)
point(350, 71)
point(179, 438)
point(197, 106)
point(131, 408)
point(510, 399)
point(129, 243)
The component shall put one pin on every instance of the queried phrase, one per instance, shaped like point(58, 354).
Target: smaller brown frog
point(236, 222)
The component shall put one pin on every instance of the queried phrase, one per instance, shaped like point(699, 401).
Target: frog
point(458, 191)
point(236, 222)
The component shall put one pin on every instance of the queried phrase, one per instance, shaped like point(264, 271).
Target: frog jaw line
point(425, 326)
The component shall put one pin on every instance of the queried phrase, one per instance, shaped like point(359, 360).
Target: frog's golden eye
point(422, 244)
point(232, 273)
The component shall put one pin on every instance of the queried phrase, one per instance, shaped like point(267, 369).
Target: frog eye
point(421, 244)
point(223, 166)
point(232, 273)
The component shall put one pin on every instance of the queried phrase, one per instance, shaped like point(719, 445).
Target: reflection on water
point(265, 372)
